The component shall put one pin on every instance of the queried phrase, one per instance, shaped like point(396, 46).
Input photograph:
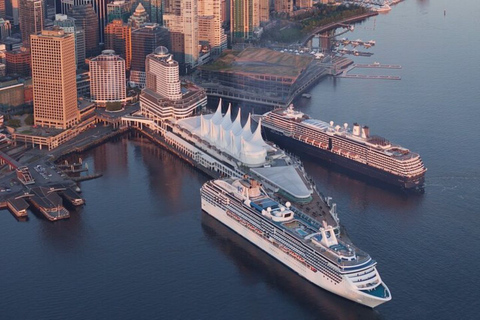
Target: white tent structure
point(249, 148)
point(230, 137)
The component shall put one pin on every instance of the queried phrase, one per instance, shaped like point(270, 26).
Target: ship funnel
point(365, 132)
point(356, 129)
point(345, 126)
point(331, 123)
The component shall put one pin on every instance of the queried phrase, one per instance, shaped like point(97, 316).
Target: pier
point(345, 73)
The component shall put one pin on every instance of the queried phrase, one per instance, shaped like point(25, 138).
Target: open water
point(142, 249)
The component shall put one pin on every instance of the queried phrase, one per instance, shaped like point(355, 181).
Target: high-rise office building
point(144, 42)
point(118, 37)
point(3, 9)
point(69, 26)
point(181, 19)
point(264, 10)
point(162, 74)
point(5, 29)
point(118, 9)
point(223, 9)
point(18, 62)
point(163, 97)
point(54, 79)
point(156, 12)
point(244, 19)
point(303, 3)
point(100, 7)
point(283, 6)
point(31, 19)
point(86, 18)
point(210, 25)
point(138, 18)
point(11, 11)
point(107, 78)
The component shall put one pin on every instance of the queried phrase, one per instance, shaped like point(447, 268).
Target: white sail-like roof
point(230, 137)
point(237, 124)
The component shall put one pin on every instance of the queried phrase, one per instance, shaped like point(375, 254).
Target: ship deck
point(302, 225)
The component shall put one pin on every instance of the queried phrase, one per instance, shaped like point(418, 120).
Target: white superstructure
point(308, 247)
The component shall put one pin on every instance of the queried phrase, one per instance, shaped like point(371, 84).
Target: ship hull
point(344, 288)
point(359, 168)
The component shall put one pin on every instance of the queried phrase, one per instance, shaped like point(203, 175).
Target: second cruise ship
point(355, 149)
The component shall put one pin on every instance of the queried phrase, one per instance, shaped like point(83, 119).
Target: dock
point(87, 177)
point(72, 197)
point(18, 206)
point(345, 73)
point(363, 76)
point(49, 203)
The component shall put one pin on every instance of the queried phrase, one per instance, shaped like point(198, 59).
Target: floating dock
point(49, 203)
point(345, 73)
point(72, 197)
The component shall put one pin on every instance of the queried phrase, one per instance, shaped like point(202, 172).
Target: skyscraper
point(284, 5)
point(210, 25)
point(107, 78)
point(31, 19)
point(264, 10)
point(162, 97)
point(181, 19)
point(54, 79)
point(69, 26)
point(5, 29)
point(156, 12)
point(100, 7)
point(144, 42)
point(138, 18)
point(303, 3)
point(3, 8)
point(162, 74)
point(244, 19)
point(118, 37)
point(118, 9)
point(86, 18)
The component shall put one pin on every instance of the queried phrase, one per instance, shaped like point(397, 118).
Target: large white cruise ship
point(305, 245)
point(355, 150)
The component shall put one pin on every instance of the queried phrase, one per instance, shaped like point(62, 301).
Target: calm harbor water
point(142, 249)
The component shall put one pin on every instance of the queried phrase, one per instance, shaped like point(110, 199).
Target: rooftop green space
point(260, 61)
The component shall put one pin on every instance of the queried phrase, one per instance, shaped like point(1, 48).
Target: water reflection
point(63, 235)
point(362, 191)
point(256, 266)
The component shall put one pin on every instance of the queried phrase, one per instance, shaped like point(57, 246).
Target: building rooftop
point(260, 61)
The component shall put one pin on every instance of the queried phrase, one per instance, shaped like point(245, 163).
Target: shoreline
point(334, 25)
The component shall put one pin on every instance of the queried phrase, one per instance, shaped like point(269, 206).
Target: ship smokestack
point(356, 129)
point(365, 132)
